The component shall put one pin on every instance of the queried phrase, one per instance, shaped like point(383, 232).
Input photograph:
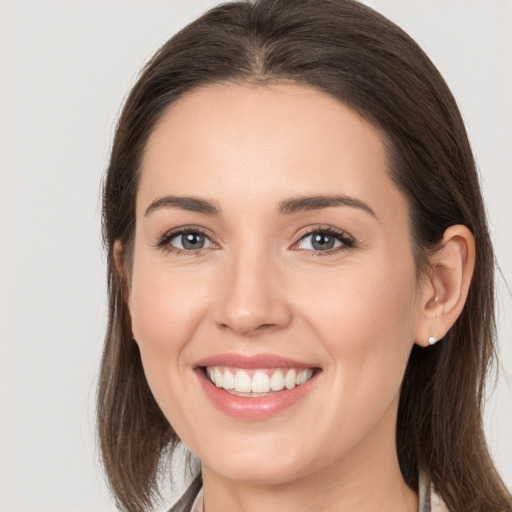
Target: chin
point(259, 472)
point(266, 462)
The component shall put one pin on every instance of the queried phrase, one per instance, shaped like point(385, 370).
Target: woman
point(300, 271)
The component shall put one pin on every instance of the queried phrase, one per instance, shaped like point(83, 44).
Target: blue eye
point(325, 240)
point(319, 241)
point(188, 241)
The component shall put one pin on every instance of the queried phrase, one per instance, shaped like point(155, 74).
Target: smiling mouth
point(257, 382)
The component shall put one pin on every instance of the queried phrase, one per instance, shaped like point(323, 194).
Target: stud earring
point(432, 340)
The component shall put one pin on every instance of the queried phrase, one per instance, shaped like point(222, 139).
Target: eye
point(186, 241)
point(325, 240)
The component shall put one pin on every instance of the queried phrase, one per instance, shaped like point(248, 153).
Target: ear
point(118, 252)
point(445, 290)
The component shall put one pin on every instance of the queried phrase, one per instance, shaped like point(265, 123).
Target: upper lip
point(252, 361)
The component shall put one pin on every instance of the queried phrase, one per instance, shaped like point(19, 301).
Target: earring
point(432, 340)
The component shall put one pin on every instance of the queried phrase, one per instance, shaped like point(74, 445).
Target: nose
point(252, 298)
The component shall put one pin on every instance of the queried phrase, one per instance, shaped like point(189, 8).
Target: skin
point(257, 287)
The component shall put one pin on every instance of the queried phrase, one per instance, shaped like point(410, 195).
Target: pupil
point(193, 241)
point(322, 242)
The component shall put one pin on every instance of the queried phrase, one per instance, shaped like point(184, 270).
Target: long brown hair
point(351, 52)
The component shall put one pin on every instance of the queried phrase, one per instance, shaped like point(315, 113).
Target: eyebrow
point(306, 203)
point(193, 204)
point(286, 207)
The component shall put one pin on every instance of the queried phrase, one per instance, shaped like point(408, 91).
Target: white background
point(66, 65)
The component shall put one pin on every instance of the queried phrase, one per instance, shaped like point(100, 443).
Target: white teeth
point(218, 378)
point(303, 376)
point(262, 381)
point(229, 380)
point(277, 381)
point(289, 380)
point(243, 382)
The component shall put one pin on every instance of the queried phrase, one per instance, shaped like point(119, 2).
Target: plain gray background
point(66, 66)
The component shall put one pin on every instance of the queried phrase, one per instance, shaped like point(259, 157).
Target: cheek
point(366, 321)
point(362, 299)
point(165, 309)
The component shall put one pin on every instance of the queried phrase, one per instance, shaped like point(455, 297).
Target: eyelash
point(164, 242)
point(347, 241)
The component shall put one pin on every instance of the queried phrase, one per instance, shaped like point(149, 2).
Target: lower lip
point(253, 408)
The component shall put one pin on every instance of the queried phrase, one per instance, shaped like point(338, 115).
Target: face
point(274, 295)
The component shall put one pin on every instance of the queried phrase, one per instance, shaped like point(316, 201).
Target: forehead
point(262, 144)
